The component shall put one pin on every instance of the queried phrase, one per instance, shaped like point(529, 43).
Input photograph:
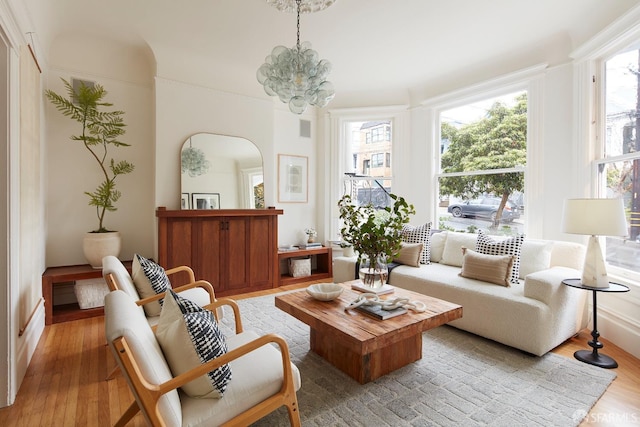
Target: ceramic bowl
point(325, 291)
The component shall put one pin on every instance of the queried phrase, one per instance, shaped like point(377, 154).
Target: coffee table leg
point(366, 366)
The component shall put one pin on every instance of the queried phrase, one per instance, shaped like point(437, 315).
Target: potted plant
point(99, 131)
point(375, 234)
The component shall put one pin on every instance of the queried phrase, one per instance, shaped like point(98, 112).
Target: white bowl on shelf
point(325, 291)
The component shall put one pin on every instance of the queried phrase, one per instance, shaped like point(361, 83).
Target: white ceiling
point(374, 45)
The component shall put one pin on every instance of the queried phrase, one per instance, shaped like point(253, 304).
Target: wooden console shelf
point(323, 270)
point(66, 274)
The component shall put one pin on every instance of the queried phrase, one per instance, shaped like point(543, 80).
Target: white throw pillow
point(437, 245)
point(149, 279)
point(535, 255)
point(189, 336)
point(452, 253)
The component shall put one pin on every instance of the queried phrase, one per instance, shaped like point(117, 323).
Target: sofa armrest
point(344, 269)
point(544, 285)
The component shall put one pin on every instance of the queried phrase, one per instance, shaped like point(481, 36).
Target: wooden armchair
point(264, 378)
point(118, 278)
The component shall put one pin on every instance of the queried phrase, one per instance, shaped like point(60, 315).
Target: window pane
point(622, 120)
point(369, 152)
point(477, 140)
point(470, 214)
point(623, 180)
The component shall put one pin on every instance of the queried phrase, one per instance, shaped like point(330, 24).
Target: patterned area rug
point(462, 379)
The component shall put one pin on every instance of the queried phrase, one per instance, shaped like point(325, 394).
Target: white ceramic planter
point(98, 245)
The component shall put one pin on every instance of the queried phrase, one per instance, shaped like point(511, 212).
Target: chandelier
point(194, 162)
point(297, 75)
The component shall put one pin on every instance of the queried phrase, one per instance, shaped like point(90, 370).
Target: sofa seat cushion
point(491, 311)
point(259, 370)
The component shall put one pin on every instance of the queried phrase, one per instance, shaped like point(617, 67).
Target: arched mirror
point(221, 172)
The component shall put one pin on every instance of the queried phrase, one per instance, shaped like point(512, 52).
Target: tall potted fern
point(100, 130)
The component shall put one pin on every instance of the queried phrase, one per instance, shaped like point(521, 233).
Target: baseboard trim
point(26, 347)
point(620, 330)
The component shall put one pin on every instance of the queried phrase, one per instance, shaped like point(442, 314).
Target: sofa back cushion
point(535, 255)
point(568, 254)
point(452, 252)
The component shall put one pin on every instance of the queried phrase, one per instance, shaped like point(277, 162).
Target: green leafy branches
point(497, 141)
point(374, 232)
point(100, 130)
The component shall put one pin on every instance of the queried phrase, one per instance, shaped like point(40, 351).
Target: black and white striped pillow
point(511, 246)
point(189, 336)
point(419, 234)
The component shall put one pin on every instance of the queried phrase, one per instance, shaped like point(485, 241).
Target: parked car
point(485, 207)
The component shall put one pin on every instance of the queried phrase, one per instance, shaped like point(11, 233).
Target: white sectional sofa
point(534, 315)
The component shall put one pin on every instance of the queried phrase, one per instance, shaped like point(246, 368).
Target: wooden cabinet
point(236, 250)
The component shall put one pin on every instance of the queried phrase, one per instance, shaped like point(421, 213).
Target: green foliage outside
point(497, 141)
point(100, 130)
point(374, 232)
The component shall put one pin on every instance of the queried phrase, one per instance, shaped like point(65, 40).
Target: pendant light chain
point(298, 43)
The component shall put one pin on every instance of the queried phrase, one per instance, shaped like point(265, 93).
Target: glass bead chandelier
point(297, 75)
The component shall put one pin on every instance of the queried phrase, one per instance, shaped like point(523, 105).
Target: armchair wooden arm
point(149, 394)
point(217, 304)
point(197, 284)
point(182, 268)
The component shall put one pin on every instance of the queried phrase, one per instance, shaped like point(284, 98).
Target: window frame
point(336, 131)
point(530, 80)
point(589, 69)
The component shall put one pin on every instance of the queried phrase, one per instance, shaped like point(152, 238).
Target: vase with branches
point(374, 233)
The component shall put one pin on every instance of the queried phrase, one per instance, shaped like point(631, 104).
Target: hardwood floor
point(65, 384)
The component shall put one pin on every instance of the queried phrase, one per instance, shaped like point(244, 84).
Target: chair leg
point(112, 373)
point(128, 414)
point(294, 414)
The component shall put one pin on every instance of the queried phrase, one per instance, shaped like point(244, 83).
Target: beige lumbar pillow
point(410, 254)
point(488, 268)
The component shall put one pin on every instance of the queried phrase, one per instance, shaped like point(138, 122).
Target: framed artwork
point(205, 200)
point(292, 179)
point(185, 201)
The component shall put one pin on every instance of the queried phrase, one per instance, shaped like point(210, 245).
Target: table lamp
point(594, 217)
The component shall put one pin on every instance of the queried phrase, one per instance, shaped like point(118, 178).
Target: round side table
point(593, 357)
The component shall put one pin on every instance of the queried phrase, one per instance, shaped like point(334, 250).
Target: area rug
point(461, 380)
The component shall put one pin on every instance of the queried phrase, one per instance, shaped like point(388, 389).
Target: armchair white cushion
point(263, 377)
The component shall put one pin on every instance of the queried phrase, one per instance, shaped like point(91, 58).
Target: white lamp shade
point(596, 217)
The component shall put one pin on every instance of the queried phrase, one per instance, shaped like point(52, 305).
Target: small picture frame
point(205, 200)
point(185, 201)
point(292, 178)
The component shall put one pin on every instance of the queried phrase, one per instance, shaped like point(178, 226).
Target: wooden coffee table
point(363, 347)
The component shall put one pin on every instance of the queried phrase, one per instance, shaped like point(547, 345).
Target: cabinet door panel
point(207, 242)
point(236, 235)
point(179, 238)
point(260, 254)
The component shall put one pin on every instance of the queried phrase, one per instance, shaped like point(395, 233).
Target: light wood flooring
point(65, 384)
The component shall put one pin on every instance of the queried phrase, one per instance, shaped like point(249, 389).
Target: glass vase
point(375, 276)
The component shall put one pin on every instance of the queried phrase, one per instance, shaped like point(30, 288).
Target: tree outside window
point(482, 162)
